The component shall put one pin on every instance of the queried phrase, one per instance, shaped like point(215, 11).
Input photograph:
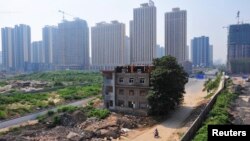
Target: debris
point(76, 126)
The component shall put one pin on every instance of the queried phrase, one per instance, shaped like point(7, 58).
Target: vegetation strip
point(219, 114)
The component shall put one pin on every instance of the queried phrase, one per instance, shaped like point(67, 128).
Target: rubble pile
point(24, 86)
point(71, 120)
point(77, 127)
point(239, 109)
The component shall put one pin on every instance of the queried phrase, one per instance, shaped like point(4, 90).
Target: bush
point(78, 92)
point(91, 103)
point(99, 113)
point(3, 114)
point(212, 85)
point(3, 83)
point(58, 84)
point(100, 97)
point(51, 103)
point(41, 118)
point(67, 109)
point(56, 120)
point(50, 113)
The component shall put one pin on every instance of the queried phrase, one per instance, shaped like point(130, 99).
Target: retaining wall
point(199, 120)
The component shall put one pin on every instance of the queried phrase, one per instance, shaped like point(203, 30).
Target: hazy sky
point(204, 17)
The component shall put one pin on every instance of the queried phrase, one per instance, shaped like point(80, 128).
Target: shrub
point(51, 103)
point(212, 84)
point(41, 118)
point(100, 97)
point(58, 84)
point(99, 113)
point(3, 83)
point(56, 120)
point(91, 103)
point(50, 113)
point(67, 109)
point(3, 114)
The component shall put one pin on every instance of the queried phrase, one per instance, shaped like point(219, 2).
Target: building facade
point(160, 51)
point(143, 34)
point(37, 52)
point(108, 44)
point(49, 42)
point(127, 51)
point(71, 49)
point(211, 55)
point(16, 44)
point(201, 51)
point(176, 34)
point(1, 59)
point(238, 50)
point(8, 48)
point(125, 89)
point(131, 37)
point(22, 43)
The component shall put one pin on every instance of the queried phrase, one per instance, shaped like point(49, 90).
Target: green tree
point(168, 81)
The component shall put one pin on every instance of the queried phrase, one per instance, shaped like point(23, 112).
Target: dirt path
point(167, 128)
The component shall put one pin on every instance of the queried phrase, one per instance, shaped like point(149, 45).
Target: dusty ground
point(241, 107)
point(76, 127)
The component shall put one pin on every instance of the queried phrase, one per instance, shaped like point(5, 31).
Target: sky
point(204, 17)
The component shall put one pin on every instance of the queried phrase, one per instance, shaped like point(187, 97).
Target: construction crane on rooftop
point(238, 20)
point(238, 17)
point(64, 13)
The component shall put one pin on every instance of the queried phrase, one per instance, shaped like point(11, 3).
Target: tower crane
point(238, 17)
point(64, 13)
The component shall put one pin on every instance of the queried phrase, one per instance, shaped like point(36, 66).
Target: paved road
point(34, 115)
point(193, 95)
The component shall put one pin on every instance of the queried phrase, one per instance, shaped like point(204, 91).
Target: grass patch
point(78, 92)
point(209, 95)
point(41, 118)
point(99, 113)
point(3, 83)
point(67, 109)
point(50, 113)
point(3, 114)
point(53, 117)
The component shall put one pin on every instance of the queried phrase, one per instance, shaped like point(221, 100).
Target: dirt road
point(166, 129)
